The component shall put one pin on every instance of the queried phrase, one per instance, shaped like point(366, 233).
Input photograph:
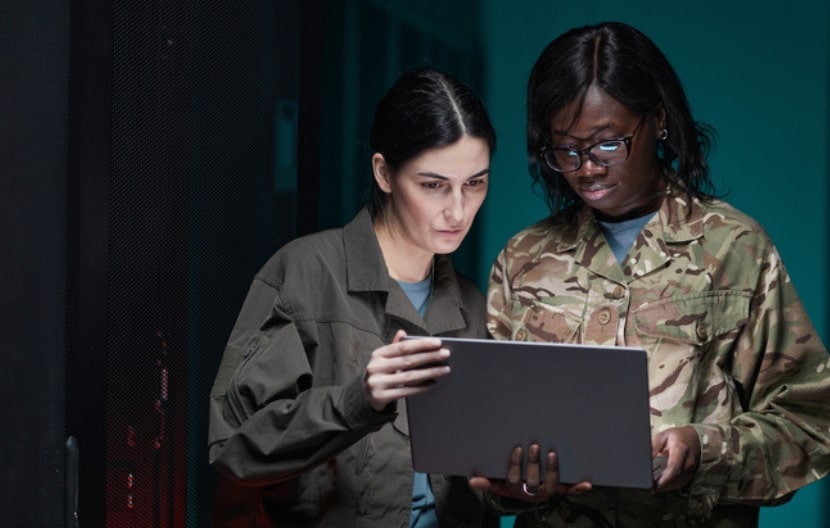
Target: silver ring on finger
point(528, 492)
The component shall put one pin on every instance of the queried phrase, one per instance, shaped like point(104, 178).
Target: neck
point(649, 206)
point(404, 261)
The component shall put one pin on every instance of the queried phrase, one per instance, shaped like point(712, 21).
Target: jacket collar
point(366, 271)
point(674, 223)
point(365, 268)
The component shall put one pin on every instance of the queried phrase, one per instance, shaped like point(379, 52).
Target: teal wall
point(757, 71)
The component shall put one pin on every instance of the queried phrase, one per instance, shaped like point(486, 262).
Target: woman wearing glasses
point(638, 251)
point(305, 410)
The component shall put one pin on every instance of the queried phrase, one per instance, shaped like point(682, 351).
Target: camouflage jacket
point(731, 352)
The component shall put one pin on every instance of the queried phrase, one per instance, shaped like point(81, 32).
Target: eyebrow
point(591, 136)
point(440, 177)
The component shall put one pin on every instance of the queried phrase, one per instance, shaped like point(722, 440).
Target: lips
point(595, 191)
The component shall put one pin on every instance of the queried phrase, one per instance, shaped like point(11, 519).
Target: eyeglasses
point(607, 152)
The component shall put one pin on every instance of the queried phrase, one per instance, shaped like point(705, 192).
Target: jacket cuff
point(356, 409)
point(712, 473)
point(508, 506)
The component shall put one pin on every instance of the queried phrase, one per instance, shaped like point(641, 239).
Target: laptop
point(589, 403)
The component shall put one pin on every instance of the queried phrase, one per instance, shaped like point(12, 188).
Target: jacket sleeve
point(267, 422)
point(781, 441)
point(498, 295)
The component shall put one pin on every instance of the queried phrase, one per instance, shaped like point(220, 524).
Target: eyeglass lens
point(606, 153)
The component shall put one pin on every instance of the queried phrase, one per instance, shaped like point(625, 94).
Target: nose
point(589, 167)
point(454, 209)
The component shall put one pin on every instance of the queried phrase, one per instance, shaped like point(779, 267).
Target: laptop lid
point(589, 403)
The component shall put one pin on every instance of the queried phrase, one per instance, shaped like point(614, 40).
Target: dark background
point(154, 155)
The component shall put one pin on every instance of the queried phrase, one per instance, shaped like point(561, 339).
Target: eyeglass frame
point(626, 140)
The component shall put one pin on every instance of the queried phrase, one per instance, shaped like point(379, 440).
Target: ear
point(659, 117)
point(381, 172)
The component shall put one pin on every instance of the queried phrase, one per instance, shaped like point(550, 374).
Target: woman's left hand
point(533, 488)
point(680, 447)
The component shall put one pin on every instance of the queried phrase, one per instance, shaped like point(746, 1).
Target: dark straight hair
point(424, 109)
point(629, 67)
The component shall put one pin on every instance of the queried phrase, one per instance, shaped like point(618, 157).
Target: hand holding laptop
point(533, 488)
point(405, 367)
point(676, 457)
point(676, 453)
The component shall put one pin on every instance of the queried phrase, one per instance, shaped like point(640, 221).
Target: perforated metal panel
point(200, 194)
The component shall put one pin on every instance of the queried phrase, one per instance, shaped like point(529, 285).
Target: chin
point(443, 249)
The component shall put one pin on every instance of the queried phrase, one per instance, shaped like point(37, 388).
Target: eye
point(609, 146)
point(478, 182)
point(566, 151)
point(432, 184)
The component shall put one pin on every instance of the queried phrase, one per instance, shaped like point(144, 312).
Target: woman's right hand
point(403, 368)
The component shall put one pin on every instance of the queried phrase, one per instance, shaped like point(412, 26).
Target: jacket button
point(604, 316)
point(701, 332)
point(521, 335)
point(619, 292)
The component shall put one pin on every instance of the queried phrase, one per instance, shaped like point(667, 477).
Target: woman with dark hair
point(638, 251)
point(305, 407)
point(625, 65)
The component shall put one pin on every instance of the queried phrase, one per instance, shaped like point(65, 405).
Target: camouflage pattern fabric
point(731, 352)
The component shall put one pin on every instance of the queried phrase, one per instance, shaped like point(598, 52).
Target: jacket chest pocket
point(546, 321)
point(695, 319)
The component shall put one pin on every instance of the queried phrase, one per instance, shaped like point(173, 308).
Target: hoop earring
point(664, 135)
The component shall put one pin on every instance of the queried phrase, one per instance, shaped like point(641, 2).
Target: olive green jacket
point(287, 409)
point(731, 352)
